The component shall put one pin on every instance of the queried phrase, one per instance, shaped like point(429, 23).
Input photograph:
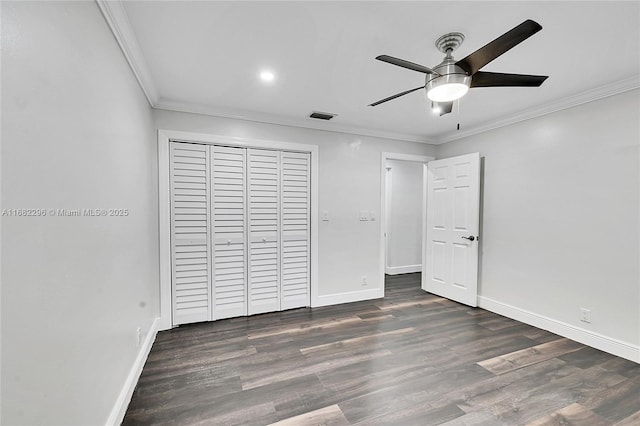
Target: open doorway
point(402, 219)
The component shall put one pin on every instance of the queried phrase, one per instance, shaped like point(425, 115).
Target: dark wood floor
point(408, 359)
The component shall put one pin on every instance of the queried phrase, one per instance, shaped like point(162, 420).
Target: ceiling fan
point(450, 80)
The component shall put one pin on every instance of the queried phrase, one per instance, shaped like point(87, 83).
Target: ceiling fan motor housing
point(452, 82)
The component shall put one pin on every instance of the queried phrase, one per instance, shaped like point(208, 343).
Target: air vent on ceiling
point(322, 115)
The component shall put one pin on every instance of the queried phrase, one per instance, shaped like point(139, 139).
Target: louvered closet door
point(295, 233)
point(228, 171)
point(264, 190)
point(190, 231)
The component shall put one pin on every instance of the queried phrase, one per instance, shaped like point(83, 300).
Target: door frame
point(164, 208)
point(423, 159)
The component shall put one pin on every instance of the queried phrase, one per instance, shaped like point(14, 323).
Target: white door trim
point(164, 216)
point(388, 182)
point(383, 195)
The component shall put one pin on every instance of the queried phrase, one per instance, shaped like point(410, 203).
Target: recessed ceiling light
point(267, 76)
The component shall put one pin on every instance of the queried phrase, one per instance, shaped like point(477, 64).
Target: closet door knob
point(471, 238)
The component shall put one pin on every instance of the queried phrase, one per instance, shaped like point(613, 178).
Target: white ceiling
point(205, 57)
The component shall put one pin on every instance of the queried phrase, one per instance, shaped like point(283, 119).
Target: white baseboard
point(590, 338)
point(352, 296)
point(120, 407)
point(396, 270)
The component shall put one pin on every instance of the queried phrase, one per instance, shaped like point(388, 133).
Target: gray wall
point(77, 133)
point(349, 181)
point(560, 215)
point(404, 218)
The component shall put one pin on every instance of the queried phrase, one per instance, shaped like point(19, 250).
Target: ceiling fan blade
point(496, 79)
point(405, 64)
point(396, 96)
point(445, 108)
point(481, 57)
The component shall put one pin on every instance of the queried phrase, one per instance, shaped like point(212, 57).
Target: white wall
point(349, 181)
point(560, 220)
point(404, 217)
point(77, 133)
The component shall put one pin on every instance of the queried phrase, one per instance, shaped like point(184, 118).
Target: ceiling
point(206, 56)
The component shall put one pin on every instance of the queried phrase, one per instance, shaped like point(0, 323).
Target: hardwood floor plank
point(539, 335)
point(476, 418)
point(616, 402)
point(328, 416)
point(411, 358)
point(303, 328)
point(569, 384)
point(525, 357)
point(340, 344)
point(412, 303)
point(622, 366)
point(182, 364)
point(586, 357)
point(373, 375)
point(241, 417)
point(269, 377)
point(571, 415)
point(167, 392)
point(416, 414)
point(213, 406)
point(417, 391)
point(632, 420)
point(499, 323)
point(478, 395)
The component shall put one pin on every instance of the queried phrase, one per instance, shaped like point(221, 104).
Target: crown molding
point(306, 122)
point(604, 91)
point(116, 17)
point(118, 21)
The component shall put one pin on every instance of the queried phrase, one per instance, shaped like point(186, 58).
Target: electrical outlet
point(138, 336)
point(585, 315)
point(364, 281)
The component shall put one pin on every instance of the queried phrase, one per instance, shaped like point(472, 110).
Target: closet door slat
point(190, 233)
point(228, 201)
point(294, 256)
point(264, 230)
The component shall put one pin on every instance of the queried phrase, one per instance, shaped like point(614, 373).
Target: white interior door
point(295, 230)
point(190, 231)
point(228, 207)
point(264, 231)
point(450, 267)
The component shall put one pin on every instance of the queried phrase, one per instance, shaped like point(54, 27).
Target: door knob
point(471, 238)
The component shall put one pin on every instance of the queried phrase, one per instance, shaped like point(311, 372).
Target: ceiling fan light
point(448, 88)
